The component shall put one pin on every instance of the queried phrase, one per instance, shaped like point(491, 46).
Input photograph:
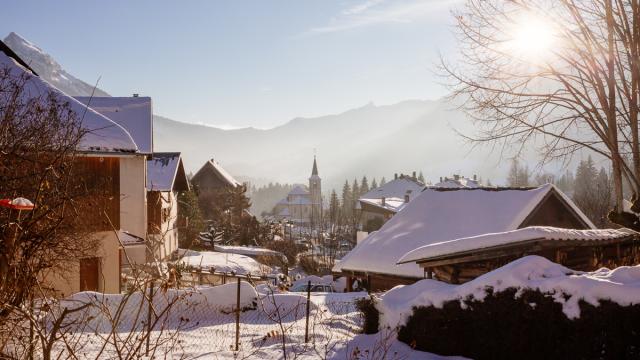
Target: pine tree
point(346, 199)
point(383, 181)
point(190, 219)
point(355, 190)
point(374, 185)
point(592, 192)
point(334, 207)
point(421, 177)
point(364, 186)
point(518, 175)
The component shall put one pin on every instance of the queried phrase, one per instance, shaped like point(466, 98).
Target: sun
point(532, 37)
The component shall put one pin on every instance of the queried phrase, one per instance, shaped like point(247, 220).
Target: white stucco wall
point(133, 195)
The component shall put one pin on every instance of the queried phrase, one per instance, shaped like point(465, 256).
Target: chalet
point(166, 178)
point(106, 152)
point(134, 114)
point(461, 260)
point(212, 176)
point(439, 214)
point(380, 204)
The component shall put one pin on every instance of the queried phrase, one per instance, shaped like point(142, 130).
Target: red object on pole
point(17, 204)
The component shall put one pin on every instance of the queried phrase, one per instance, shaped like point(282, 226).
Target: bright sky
point(243, 63)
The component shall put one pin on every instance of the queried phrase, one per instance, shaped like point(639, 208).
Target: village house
point(212, 176)
point(166, 178)
point(134, 114)
point(439, 214)
point(106, 152)
point(302, 206)
point(380, 204)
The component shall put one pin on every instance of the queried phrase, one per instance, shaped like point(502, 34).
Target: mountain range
point(413, 135)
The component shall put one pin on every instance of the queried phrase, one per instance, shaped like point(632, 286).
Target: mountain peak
point(48, 69)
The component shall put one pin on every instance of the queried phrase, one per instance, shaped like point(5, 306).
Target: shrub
point(309, 265)
point(531, 326)
point(371, 315)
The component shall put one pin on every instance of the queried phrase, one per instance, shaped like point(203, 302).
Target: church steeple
point(314, 171)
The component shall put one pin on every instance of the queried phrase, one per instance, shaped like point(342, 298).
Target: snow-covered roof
point(457, 182)
point(128, 239)
point(247, 250)
point(221, 262)
point(220, 171)
point(103, 134)
point(542, 233)
point(162, 170)
point(396, 188)
point(438, 215)
point(135, 114)
point(299, 190)
point(392, 204)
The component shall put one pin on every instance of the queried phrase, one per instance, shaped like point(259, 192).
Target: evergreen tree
point(189, 218)
point(592, 192)
point(374, 185)
point(383, 181)
point(355, 191)
point(364, 186)
point(334, 207)
point(421, 177)
point(518, 175)
point(346, 199)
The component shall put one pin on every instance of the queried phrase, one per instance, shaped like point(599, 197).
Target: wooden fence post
point(149, 318)
point(238, 317)
point(306, 330)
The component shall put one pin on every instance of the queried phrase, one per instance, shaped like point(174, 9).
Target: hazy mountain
point(43, 64)
point(378, 141)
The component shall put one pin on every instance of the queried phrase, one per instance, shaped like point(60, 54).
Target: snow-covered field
point(201, 326)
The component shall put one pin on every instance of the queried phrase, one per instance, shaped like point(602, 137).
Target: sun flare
point(532, 37)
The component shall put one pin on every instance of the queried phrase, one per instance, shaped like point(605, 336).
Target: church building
point(303, 205)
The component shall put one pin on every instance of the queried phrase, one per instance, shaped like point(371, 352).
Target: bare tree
point(578, 92)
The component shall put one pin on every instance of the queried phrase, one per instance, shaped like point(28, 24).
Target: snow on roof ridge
point(105, 136)
point(482, 241)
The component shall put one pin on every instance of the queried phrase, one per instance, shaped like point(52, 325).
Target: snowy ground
point(205, 332)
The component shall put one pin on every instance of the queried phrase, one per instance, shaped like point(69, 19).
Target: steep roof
point(219, 171)
point(165, 172)
point(135, 114)
point(299, 190)
point(314, 170)
point(485, 241)
point(104, 135)
point(437, 215)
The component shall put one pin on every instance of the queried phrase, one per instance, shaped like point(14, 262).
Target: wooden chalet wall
point(554, 212)
point(99, 178)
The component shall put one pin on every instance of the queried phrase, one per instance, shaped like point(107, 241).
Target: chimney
point(406, 198)
point(384, 201)
point(414, 175)
point(136, 95)
point(475, 177)
point(440, 178)
point(456, 177)
point(395, 176)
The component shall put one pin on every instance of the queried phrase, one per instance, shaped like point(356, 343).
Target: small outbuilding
point(461, 260)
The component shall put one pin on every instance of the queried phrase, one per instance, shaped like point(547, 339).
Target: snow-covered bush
point(530, 308)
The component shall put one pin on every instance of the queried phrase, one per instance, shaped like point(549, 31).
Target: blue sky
point(245, 63)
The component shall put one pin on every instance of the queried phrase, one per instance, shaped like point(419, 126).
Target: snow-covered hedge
point(530, 308)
